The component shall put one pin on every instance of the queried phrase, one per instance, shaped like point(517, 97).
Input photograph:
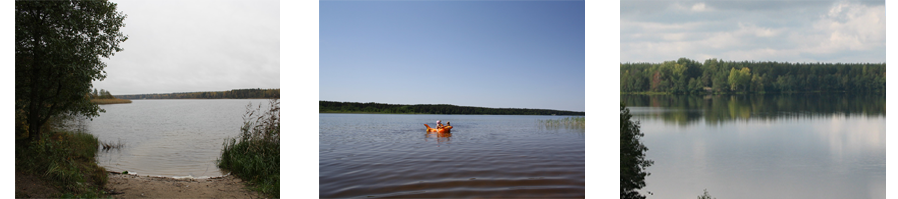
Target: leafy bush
point(632, 156)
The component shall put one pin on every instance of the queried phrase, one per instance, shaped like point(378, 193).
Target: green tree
point(695, 85)
point(632, 156)
point(106, 95)
point(739, 79)
point(59, 45)
point(705, 195)
point(757, 82)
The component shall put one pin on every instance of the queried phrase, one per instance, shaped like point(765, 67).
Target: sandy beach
point(135, 186)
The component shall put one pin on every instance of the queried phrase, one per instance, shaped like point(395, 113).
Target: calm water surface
point(173, 138)
point(385, 155)
point(764, 146)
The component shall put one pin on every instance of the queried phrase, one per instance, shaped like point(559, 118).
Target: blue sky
point(520, 54)
point(784, 31)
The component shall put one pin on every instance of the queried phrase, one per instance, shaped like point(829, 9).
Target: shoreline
point(136, 186)
point(173, 177)
point(428, 114)
point(110, 101)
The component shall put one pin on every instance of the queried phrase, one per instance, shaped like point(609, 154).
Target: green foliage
point(739, 79)
point(255, 154)
point(59, 45)
point(705, 195)
point(747, 76)
point(632, 156)
point(102, 94)
point(232, 94)
point(371, 107)
point(66, 159)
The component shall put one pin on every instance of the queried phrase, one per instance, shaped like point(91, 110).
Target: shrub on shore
point(254, 155)
point(66, 159)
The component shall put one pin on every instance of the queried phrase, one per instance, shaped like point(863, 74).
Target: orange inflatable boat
point(445, 129)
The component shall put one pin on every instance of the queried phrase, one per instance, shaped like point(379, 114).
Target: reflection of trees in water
point(716, 109)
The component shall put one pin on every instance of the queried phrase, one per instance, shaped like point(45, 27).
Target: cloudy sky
point(502, 54)
point(184, 46)
point(791, 31)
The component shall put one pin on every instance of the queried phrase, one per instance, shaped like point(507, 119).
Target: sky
point(784, 31)
point(194, 45)
point(498, 54)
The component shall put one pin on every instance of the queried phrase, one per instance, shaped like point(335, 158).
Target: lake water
point(172, 138)
point(386, 155)
point(764, 146)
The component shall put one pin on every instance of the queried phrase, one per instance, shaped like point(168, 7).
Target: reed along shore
point(110, 101)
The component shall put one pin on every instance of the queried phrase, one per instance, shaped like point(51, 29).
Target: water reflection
point(715, 109)
point(750, 146)
point(575, 123)
point(441, 138)
point(828, 156)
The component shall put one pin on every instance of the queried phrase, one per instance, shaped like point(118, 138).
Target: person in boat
point(439, 125)
point(447, 124)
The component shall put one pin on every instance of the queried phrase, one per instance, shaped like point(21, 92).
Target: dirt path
point(133, 186)
point(31, 186)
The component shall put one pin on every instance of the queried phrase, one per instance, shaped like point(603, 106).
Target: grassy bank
point(254, 155)
point(110, 101)
point(65, 160)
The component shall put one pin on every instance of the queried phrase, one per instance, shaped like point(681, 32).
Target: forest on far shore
point(688, 76)
point(371, 107)
point(232, 94)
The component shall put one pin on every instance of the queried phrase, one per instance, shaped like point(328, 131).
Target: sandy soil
point(133, 186)
point(31, 186)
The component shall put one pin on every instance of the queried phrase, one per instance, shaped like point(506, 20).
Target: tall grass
point(66, 159)
point(568, 122)
point(254, 155)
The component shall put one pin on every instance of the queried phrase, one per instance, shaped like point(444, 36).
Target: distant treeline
point(688, 76)
point(101, 94)
point(371, 107)
point(232, 94)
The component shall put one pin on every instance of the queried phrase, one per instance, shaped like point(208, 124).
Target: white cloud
point(844, 32)
point(850, 26)
point(700, 7)
point(757, 31)
point(759, 54)
point(674, 36)
point(655, 26)
point(697, 7)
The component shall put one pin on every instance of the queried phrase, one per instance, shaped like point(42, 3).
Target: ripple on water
point(168, 137)
point(488, 157)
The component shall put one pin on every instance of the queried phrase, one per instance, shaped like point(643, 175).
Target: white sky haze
point(195, 45)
